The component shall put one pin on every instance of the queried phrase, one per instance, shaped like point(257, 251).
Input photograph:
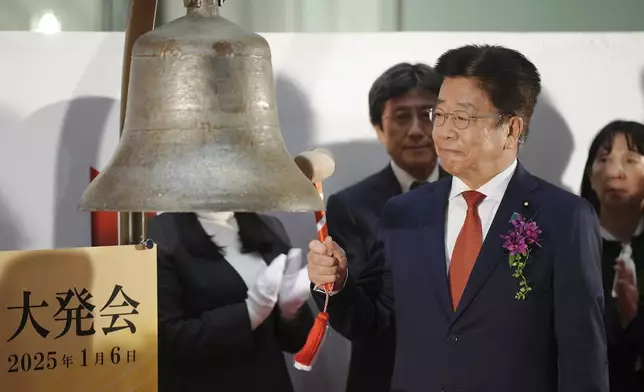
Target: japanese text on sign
point(85, 317)
point(51, 360)
point(117, 307)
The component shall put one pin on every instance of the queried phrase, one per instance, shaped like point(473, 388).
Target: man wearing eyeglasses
point(399, 109)
point(496, 273)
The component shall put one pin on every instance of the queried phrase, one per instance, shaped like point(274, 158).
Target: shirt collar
point(493, 189)
point(609, 237)
point(215, 216)
point(405, 179)
point(214, 221)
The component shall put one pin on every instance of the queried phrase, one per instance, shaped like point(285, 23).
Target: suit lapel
point(195, 238)
point(256, 235)
point(492, 252)
point(387, 185)
point(431, 242)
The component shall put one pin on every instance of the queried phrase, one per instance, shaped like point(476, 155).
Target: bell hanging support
point(201, 129)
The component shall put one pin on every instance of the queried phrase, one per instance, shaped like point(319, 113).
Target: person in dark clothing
point(448, 262)
point(614, 184)
point(399, 104)
point(232, 299)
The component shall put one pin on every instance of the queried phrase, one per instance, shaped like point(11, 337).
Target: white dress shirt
point(457, 208)
point(224, 232)
point(405, 179)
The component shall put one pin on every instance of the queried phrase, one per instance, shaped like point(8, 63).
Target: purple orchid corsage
point(519, 242)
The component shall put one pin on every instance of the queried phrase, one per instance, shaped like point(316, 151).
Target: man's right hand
point(326, 263)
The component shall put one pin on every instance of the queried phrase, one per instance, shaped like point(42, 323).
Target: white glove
point(263, 295)
point(296, 289)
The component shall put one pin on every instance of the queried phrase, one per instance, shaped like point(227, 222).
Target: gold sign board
point(82, 319)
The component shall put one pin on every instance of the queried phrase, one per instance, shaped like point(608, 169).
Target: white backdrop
point(59, 109)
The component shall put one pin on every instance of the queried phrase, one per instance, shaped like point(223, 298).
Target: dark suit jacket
point(552, 341)
point(205, 339)
point(352, 219)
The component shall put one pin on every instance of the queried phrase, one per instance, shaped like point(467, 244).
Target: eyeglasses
point(461, 119)
point(406, 117)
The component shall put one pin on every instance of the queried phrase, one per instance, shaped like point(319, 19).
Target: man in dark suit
point(399, 105)
point(475, 311)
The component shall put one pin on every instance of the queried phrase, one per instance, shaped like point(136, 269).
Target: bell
point(201, 129)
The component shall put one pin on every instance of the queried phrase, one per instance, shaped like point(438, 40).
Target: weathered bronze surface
point(201, 127)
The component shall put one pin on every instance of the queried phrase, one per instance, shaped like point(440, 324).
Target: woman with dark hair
point(614, 184)
point(232, 299)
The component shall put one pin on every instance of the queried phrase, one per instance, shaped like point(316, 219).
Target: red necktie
point(467, 247)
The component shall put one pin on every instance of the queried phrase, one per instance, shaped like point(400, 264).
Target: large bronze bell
point(201, 129)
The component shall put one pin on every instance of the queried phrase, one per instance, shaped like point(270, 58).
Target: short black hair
point(634, 133)
point(399, 80)
point(511, 81)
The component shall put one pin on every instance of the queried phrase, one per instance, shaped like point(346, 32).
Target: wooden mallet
point(317, 165)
